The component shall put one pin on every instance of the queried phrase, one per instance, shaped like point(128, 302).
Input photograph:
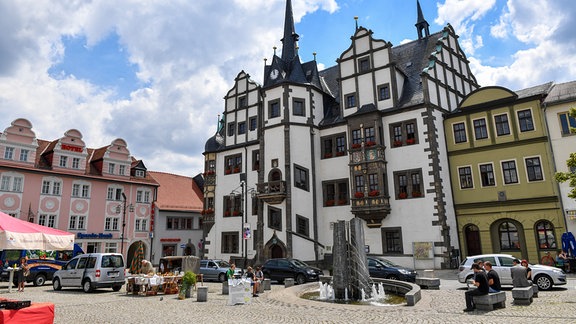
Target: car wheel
point(543, 282)
point(87, 286)
point(300, 279)
point(40, 280)
point(222, 277)
point(56, 284)
point(117, 288)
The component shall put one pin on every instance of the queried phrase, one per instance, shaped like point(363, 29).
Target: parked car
point(92, 271)
point(382, 268)
point(216, 270)
point(280, 269)
point(543, 276)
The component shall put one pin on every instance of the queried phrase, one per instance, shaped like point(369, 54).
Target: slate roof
point(177, 193)
point(561, 93)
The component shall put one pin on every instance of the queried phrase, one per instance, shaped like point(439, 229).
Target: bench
point(490, 301)
point(523, 295)
point(428, 283)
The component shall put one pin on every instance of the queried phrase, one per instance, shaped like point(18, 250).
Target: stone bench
point(490, 301)
point(523, 295)
point(428, 283)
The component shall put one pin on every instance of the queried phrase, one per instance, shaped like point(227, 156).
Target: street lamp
point(123, 207)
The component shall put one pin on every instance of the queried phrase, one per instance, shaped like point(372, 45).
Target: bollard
point(266, 284)
point(225, 287)
point(288, 282)
point(202, 294)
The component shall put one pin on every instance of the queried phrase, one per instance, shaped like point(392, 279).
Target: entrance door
point(472, 235)
point(276, 252)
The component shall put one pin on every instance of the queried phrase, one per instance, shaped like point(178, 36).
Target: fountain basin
point(410, 291)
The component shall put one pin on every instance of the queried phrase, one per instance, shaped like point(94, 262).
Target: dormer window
point(9, 153)
point(63, 161)
point(140, 173)
point(111, 167)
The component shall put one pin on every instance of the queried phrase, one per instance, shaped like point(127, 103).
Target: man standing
point(518, 273)
point(493, 278)
point(481, 282)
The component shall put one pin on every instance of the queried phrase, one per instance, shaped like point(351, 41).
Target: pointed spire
point(421, 24)
point(290, 39)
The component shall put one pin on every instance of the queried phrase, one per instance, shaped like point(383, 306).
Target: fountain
point(351, 278)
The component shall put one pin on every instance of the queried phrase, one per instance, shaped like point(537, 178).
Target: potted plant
point(228, 171)
point(416, 194)
point(397, 143)
point(356, 145)
point(359, 194)
point(373, 193)
point(370, 143)
point(188, 281)
point(410, 141)
point(227, 213)
point(236, 213)
point(402, 195)
point(236, 169)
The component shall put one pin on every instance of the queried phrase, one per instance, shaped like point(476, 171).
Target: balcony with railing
point(371, 208)
point(272, 192)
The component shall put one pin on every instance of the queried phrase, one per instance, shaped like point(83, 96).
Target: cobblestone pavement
point(282, 305)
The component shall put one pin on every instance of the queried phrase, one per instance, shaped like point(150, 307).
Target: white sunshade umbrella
point(16, 234)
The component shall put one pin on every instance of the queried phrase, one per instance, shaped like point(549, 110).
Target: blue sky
point(154, 72)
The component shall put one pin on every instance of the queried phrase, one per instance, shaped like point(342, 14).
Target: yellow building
point(501, 166)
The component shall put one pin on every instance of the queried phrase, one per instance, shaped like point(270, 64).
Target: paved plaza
point(282, 305)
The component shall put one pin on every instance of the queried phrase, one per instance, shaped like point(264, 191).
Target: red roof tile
point(177, 192)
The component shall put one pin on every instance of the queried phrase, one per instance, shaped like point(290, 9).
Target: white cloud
point(187, 53)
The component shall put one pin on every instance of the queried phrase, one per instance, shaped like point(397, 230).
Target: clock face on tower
point(274, 74)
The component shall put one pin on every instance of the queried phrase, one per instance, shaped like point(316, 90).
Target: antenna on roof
point(356, 19)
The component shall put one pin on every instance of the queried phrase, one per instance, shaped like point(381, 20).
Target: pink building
point(103, 195)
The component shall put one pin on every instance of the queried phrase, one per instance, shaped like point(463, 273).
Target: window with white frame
point(51, 187)
point(114, 193)
point(111, 223)
point(111, 247)
point(11, 182)
point(465, 174)
point(509, 172)
point(75, 163)
point(487, 175)
point(140, 173)
point(63, 161)
point(534, 169)
point(24, 155)
point(77, 222)
point(76, 190)
point(47, 220)
point(111, 168)
point(502, 126)
point(141, 224)
point(122, 170)
point(9, 153)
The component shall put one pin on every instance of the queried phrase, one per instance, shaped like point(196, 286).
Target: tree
point(569, 176)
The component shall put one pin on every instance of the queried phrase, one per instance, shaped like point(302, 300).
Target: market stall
point(150, 285)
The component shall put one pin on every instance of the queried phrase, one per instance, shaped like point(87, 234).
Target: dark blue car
point(382, 268)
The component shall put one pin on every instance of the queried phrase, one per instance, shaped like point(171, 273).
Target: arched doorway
point(276, 252)
point(472, 237)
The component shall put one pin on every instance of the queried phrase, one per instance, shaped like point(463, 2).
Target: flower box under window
point(227, 213)
point(416, 194)
point(227, 171)
point(370, 143)
point(327, 155)
point(236, 169)
point(236, 213)
point(356, 145)
point(359, 194)
point(330, 202)
point(402, 195)
point(374, 193)
point(397, 143)
point(410, 141)
point(341, 153)
point(342, 202)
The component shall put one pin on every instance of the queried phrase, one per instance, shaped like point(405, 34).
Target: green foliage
point(189, 279)
point(569, 176)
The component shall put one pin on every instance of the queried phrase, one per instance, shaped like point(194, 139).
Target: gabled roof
point(561, 93)
point(177, 193)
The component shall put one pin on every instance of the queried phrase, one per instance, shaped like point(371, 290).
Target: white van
point(92, 271)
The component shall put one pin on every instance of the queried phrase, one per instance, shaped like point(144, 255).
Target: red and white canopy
point(16, 234)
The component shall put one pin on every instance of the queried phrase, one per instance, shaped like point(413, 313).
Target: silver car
point(91, 271)
point(216, 270)
point(543, 276)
